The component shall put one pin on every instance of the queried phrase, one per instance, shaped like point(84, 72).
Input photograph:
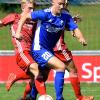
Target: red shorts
point(64, 55)
point(24, 60)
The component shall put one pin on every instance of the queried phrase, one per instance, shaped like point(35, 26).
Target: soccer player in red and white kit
point(22, 47)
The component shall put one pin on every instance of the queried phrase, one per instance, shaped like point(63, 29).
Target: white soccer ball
point(45, 97)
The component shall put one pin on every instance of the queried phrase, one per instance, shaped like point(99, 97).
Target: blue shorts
point(42, 56)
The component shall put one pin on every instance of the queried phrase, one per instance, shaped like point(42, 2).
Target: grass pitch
point(17, 91)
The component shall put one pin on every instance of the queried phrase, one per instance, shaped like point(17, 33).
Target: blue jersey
point(50, 28)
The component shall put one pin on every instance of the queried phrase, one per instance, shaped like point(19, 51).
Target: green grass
point(90, 26)
point(5, 39)
point(17, 91)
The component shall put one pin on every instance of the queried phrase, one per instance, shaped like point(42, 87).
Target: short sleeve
point(8, 19)
point(70, 25)
point(38, 15)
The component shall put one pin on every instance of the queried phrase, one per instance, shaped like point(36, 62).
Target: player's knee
point(34, 69)
point(71, 67)
point(73, 70)
point(73, 73)
point(61, 67)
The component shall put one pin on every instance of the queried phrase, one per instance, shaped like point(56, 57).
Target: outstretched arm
point(9, 19)
point(24, 16)
point(78, 34)
point(35, 15)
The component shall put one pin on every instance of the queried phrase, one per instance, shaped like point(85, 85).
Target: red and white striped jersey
point(61, 45)
point(27, 32)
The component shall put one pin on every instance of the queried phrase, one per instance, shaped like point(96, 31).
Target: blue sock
point(59, 82)
point(33, 92)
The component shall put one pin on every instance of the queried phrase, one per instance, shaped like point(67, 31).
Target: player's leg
point(59, 77)
point(34, 74)
point(26, 91)
point(75, 82)
point(66, 57)
point(26, 63)
point(44, 57)
point(44, 73)
point(30, 91)
point(33, 93)
point(12, 78)
point(74, 78)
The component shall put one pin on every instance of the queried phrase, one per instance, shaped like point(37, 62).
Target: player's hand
point(73, 34)
point(83, 42)
point(77, 18)
point(18, 36)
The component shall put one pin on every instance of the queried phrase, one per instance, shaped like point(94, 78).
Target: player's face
point(28, 6)
point(58, 5)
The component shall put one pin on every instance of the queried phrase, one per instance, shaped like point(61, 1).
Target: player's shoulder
point(65, 12)
point(47, 10)
point(43, 11)
point(14, 15)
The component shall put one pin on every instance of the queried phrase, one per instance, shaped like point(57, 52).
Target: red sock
point(27, 90)
point(80, 97)
point(76, 86)
point(40, 86)
point(12, 78)
point(21, 76)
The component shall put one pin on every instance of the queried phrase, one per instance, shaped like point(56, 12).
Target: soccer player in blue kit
point(51, 23)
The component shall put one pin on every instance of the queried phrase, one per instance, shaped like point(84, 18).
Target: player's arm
point(72, 26)
point(22, 20)
point(36, 15)
point(76, 19)
point(7, 20)
point(78, 34)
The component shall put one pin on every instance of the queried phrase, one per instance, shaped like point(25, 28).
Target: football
point(45, 97)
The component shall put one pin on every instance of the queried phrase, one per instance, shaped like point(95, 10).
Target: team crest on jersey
point(61, 22)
